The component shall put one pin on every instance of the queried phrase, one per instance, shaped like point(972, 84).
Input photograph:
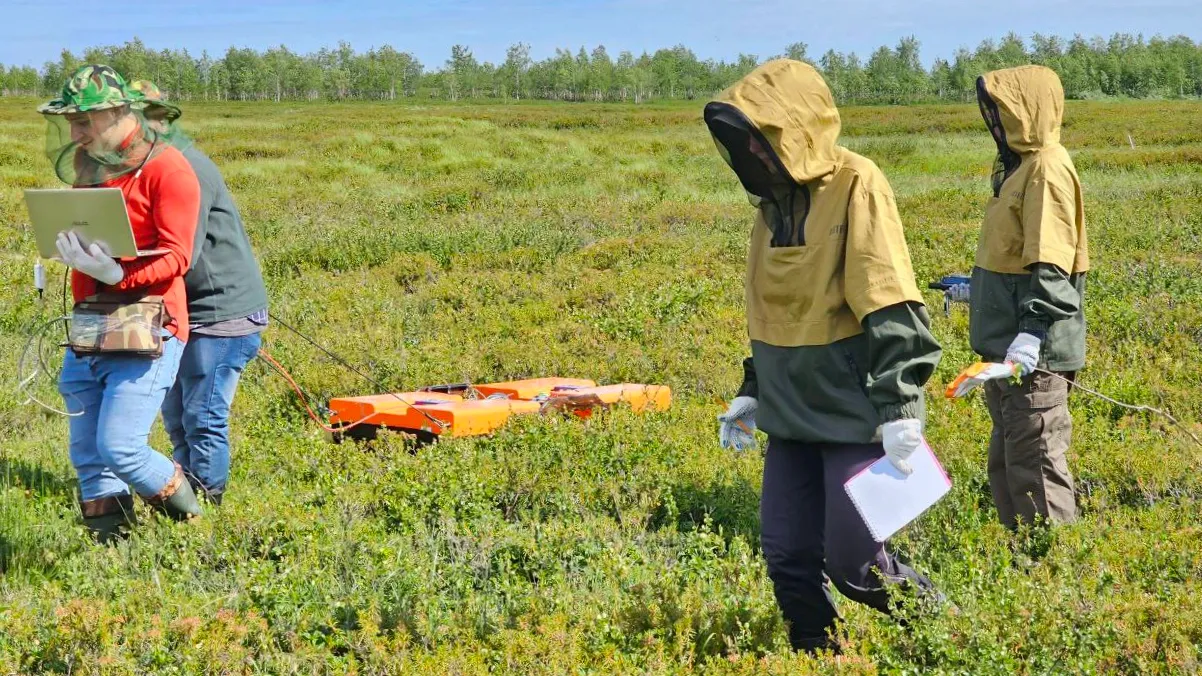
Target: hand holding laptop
point(91, 261)
point(93, 215)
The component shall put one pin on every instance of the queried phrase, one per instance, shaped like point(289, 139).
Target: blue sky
point(34, 31)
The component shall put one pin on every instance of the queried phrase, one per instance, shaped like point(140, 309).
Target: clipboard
point(887, 500)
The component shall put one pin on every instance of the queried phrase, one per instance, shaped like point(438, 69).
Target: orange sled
point(430, 415)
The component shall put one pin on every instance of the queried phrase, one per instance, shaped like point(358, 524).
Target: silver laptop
point(94, 214)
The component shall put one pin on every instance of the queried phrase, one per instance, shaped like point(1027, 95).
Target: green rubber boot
point(109, 519)
point(177, 500)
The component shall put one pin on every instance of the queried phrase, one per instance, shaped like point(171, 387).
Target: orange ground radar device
point(473, 410)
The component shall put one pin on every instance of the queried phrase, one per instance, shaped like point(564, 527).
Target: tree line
point(1121, 66)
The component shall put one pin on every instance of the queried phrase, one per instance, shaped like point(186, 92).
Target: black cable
point(52, 376)
point(66, 325)
point(382, 387)
point(330, 354)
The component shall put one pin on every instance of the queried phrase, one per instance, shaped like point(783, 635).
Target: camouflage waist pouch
point(111, 323)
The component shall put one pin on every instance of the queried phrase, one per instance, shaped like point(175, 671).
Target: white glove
point(737, 429)
point(958, 293)
point(1024, 351)
point(92, 261)
point(901, 439)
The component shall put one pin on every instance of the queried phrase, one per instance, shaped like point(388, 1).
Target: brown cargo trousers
point(1028, 467)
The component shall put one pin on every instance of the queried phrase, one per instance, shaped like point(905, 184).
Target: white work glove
point(958, 293)
point(901, 438)
point(1024, 351)
point(92, 261)
point(737, 425)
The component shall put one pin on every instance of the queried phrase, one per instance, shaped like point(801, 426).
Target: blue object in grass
point(945, 285)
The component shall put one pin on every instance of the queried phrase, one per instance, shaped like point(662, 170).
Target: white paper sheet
point(888, 500)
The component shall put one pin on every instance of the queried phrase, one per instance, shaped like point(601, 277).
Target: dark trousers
point(810, 530)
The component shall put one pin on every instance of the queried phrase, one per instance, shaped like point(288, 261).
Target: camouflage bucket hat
point(91, 88)
point(146, 94)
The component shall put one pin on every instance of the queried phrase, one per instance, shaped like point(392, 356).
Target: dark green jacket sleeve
point(902, 355)
point(1050, 297)
point(749, 388)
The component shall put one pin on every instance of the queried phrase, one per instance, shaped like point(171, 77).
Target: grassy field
point(448, 243)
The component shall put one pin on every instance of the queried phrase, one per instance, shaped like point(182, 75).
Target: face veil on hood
point(777, 128)
point(1023, 108)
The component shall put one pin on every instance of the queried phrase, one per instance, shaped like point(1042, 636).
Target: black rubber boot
point(177, 500)
point(815, 645)
point(108, 519)
point(211, 496)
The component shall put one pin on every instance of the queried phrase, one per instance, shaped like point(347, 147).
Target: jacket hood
point(1030, 103)
point(788, 103)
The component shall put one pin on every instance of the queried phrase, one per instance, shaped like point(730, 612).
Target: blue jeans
point(196, 411)
point(117, 399)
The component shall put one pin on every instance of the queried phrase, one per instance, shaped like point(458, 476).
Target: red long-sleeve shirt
point(163, 202)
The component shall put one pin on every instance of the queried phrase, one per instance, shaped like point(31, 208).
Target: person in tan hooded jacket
point(840, 342)
point(1026, 294)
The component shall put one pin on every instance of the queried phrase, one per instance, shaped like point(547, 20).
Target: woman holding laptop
point(114, 381)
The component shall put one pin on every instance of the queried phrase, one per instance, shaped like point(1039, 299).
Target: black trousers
point(810, 530)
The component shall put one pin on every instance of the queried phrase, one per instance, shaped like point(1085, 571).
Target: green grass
point(477, 242)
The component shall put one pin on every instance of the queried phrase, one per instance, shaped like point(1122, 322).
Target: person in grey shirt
point(227, 306)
